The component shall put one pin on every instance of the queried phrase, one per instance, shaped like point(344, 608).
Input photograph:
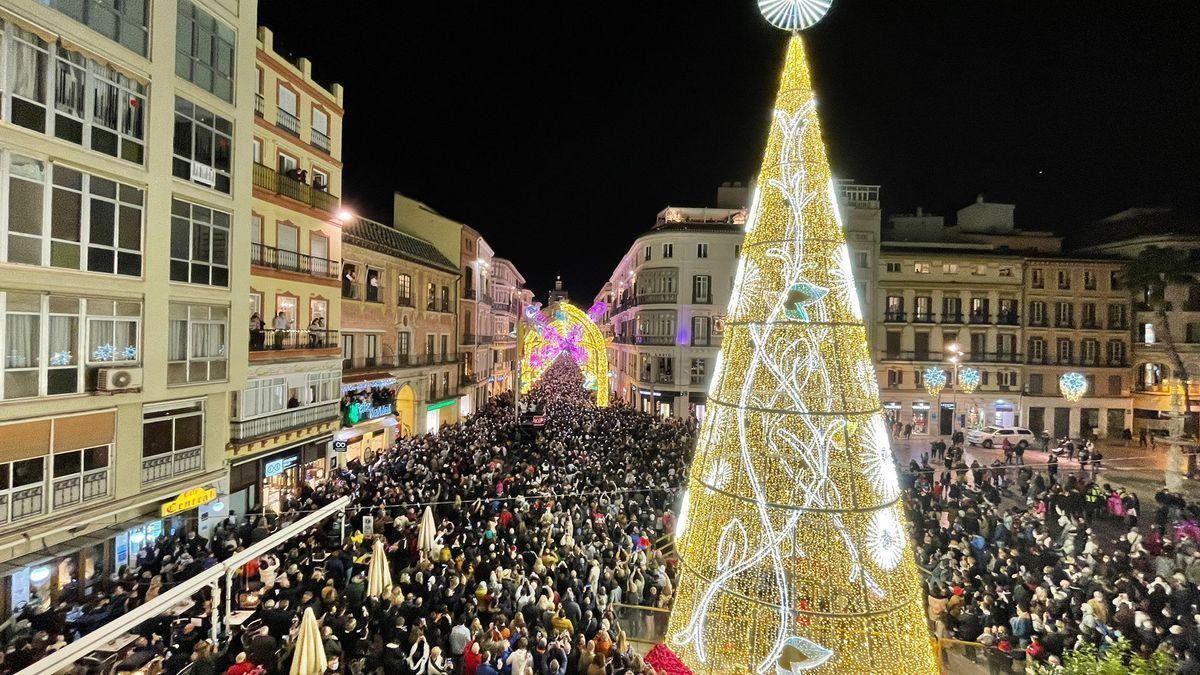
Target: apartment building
point(1154, 380)
point(284, 419)
point(1019, 311)
point(475, 321)
point(504, 292)
point(117, 119)
point(400, 373)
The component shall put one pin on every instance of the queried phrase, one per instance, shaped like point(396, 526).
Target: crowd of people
point(1030, 562)
point(540, 534)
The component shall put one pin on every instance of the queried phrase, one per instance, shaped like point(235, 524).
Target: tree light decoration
point(572, 332)
point(935, 380)
point(795, 558)
point(1072, 385)
point(969, 379)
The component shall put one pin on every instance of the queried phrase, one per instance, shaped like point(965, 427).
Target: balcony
point(506, 307)
point(1008, 319)
point(280, 422)
point(1064, 323)
point(1038, 322)
point(399, 361)
point(270, 339)
point(657, 298)
point(658, 340)
point(274, 182)
point(321, 142)
point(1118, 325)
point(468, 294)
point(469, 339)
point(258, 105)
point(1091, 324)
point(893, 317)
point(171, 464)
point(404, 301)
point(291, 261)
point(996, 357)
point(979, 318)
point(288, 122)
point(923, 317)
point(952, 317)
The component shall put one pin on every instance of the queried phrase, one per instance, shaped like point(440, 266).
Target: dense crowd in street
point(1032, 562)
point(539, 534)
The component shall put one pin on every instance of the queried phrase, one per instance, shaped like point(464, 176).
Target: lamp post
point(956, 354)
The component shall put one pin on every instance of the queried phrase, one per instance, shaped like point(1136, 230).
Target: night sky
point(559, 129)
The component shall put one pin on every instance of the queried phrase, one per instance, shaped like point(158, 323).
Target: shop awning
point(76, 544)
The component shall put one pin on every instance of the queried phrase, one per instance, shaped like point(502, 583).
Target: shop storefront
point(369, 424)
point(439, 413)
point(263, 482)
point(920, 418)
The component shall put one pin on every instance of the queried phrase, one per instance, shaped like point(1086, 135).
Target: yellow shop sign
point(189, 499)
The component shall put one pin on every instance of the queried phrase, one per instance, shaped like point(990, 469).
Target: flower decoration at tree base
point(665, 661)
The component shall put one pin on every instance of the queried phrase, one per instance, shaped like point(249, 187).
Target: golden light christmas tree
point(794, 550)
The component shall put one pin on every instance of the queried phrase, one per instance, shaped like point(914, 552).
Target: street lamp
point(956, 357)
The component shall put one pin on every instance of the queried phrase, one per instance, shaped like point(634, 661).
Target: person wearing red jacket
point(471, 658)
point(241, 666)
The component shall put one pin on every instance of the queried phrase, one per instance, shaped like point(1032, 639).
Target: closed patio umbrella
point(379, 573)
point(309, 655)
point(427, 534)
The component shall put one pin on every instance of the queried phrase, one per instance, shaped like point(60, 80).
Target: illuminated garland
point(793, 548)
point(969, 379)
point(1072, 385)
point(572, 332)
point(935, 380)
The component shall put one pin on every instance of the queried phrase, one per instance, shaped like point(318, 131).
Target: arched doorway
point(565, 329)
point(406, 407)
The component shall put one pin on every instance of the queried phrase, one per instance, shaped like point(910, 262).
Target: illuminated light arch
point(567, 330)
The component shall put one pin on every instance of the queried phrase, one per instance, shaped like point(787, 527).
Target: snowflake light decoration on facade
point(969, 379)
point(104, 352)
point(935, 380)
point(129, 353)
point(62, 358)
point(1072, 385)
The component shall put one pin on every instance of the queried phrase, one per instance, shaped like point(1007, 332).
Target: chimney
point(920, 211)
point(979, 198)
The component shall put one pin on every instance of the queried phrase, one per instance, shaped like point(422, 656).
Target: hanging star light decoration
point(935, 380)
point(969, 379)
point(1073, 386)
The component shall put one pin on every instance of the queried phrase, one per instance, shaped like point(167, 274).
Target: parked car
point(990, 436)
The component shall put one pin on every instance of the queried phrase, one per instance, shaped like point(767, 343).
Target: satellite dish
point(793, 15)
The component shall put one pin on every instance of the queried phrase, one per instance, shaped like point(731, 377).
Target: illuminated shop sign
point(278, 466)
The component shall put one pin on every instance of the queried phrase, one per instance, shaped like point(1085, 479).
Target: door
point(1037, 420)
point(946, 419)
point(1116, 422)
point(287, 243)
point(1062, 422)
point(1089, 419)
point(318, 248)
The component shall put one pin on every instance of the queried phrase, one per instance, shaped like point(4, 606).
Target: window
point(701, 330)
point(949, 268)
point(28, 59)
point(1148, 335)
point(199, 244)
point(1116, 353)
point(1065, 350)
point(1087, 315)
point(204, 50)
point(894, 308)
point(1064, 280)
point(702, 289)
point(979, 270)
point(350, 281)
point(1037, 313)
point(1064, 314)
point(404, 290)
point(892, 267)
point(203, 146)
point(403, 345)
point(373, 284)
point(1006, 378)
point(122, 21)
point(445, 384)
point(647, 253)
point(45, 335)
point(1089, 352)
point(737, 250)
point(429, 342)
point(921, 267)
point(923, 310)
point(895, 378)
point(80, 475)
point(1006, 271)
point(951, 309)
point(93, 224)
point(431, 296)
point(445, 344)
point(263, 396)
point(1037, 350)
point(1118, 317)
point(1036, 383)
point(1089, 280)
point(347, 350)
point(370, 349)
point(94, 105)
point(701, 250)
point(320, 129)
point(864, 260)
point(1115, 385)
point(1115, 281)
point(1037, 277)
point(699, 371)
point(445, 299)
point(172, 440)
point(196, 343)
point(668, 251)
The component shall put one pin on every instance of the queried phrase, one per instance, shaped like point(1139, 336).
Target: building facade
point(400, 357)
point(125, 156)
point(283, 420)
point(475, 321)
point(505, 286)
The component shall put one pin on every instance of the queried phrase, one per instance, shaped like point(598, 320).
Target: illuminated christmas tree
point(794, 549)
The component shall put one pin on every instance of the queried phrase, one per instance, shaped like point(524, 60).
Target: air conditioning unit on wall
point(118, 379)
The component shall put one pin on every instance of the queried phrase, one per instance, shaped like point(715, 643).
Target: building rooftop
point(383, 238)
